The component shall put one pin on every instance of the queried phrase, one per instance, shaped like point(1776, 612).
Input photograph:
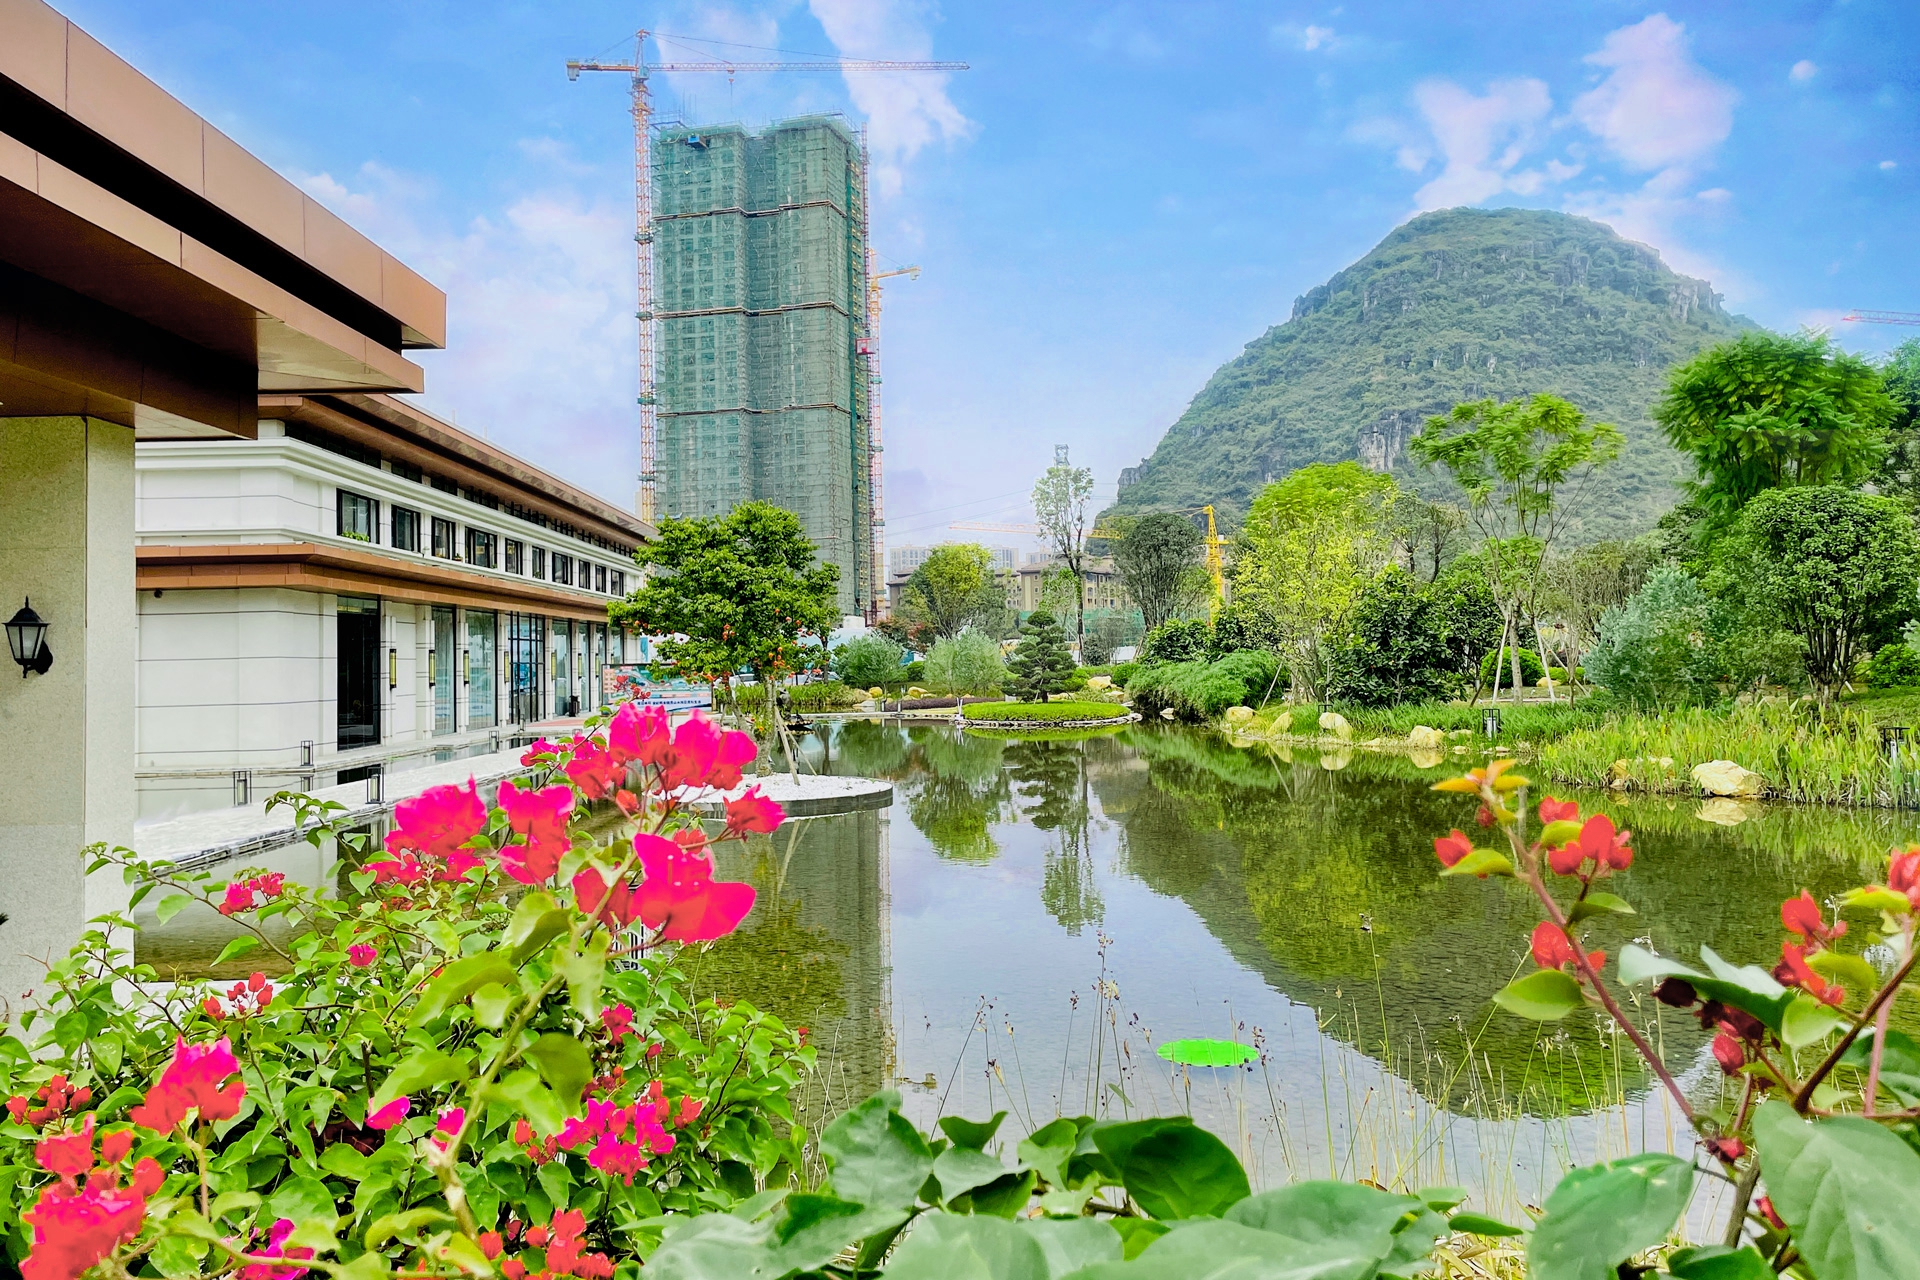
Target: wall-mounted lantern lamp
point(27, 638)
point(393, 668)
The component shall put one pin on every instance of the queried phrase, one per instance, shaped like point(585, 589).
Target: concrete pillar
point(66, 737)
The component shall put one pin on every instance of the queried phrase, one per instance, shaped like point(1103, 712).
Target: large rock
point(1099, 682)
point(1283, 722)
point(1425, 738)
point(1725, 778)
point(1239, 715)
point(1335, 724)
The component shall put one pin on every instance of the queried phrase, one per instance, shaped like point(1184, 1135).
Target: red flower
point(192, 1079)
point(54, 1097)
point(1728, 1149)
point(1903, 876)
point(593, 771)
point(438, 821)
point(360, 955)
point(1598, 843)
point(1765, 1205)
point(67, 1155)
point(1802, 915)
point(680, 897)
point(540, 816)
point(239, 898)
point(1729, 1053)
point(390, 1116)
point(277, 1248)
point(116, 1146)
point(753, 812)
point(406, 871)
point(1792, 971)
point(1552, 949)
point(490, 1244)
point(540, 748)
point(637, 733)
point(704, 756)
point(618, 1020)
point(74, 1229)
point(615, 909)
point(1552, 810)
point(1452, 847)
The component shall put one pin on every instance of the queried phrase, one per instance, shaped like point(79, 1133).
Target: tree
point(1310, 545)
point(1654, 649)
point(1158, 560)
point(1060, 505)
point(1520, 465)
point(1834, 566)
point(953, 589)
point(1769, 411)
point(743, 589)
point(1900, 470)
point(1429, 531)
point(1394, 648)
point(1041, 664)
point(869, 660)
point(1583, 585)
point(967, 663)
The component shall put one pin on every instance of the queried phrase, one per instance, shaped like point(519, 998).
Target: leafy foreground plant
point(483, 1060)
point(1828, 1095)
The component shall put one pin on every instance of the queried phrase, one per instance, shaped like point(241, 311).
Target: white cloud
point(1481, 138)
point(1888, 166)
point(1802, 71)
point(1308, 38)
point(1656, 107)
point(1411, 150)
point(906, 111)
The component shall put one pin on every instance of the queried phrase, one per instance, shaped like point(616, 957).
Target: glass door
point(357, 694)
point(482, 628)
point(525, 633)
point(560, 664)
point(441, 673)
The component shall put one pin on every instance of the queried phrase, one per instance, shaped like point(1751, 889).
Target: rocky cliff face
point(1456, 305)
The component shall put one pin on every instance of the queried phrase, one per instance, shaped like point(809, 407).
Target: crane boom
point(875, 468)
point(1882, 317)
point(642, 110)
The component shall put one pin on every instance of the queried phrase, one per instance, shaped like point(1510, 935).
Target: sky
point(1108, 204)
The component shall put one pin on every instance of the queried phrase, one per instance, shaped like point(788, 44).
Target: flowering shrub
point(481, 1059)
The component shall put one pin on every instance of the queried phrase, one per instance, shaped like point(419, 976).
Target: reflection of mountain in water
point(1325, 883)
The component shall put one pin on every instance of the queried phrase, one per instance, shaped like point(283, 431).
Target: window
point(539, 562)
point(406, 529)
point(357, 721)
point(483, 548)
point(357, 517)
point(444, 485)
point(515, 557)
point(600, 578)
point(443, 538)
point(617, 583)
point(562, 569)
point(406, 471)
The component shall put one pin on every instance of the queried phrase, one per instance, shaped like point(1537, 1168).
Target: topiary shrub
point(1042, 665)
point(1530, 668)
point(1895, 667)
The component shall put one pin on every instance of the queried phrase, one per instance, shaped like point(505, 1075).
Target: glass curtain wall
point(357, 693)
point(560, 666)
point(442, 674)
point(526, 633)
point(482, 631)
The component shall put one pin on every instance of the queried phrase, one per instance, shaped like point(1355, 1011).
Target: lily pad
point(1208, 1053)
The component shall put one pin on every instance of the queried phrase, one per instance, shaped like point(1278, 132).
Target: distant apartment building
point(1100, 584)
point(361, 587)
point(907, 559)
point(760, 297)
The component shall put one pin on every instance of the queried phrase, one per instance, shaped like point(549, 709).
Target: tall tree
point(1060, 499)
point(1521, 465)
point(1828, 563)
point(743, 588)
point(1310, 545)
point(1769, 411)
point(1157, 562)
point(1041, 664)
point(953, 589)
point(1900, 471)
point(1430, 531)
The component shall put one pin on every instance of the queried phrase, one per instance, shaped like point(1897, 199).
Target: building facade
point(360, 588)
point(760, 310)
point(1100, 584)
point(907, 559)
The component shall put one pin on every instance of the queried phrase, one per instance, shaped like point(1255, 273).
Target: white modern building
point(361, 588)
point(907, 559)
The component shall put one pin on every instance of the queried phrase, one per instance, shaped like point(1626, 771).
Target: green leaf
point(971, 1134)
point(551, 923)
point(1848, 1189)
point(315, 1233)
point(458, 981)
point(1603, 1214)
point(344, 1161)
point(874, 1156)
point(564, 1065)
point(961, 1169)
point(1208, 1053)
point(171, 905)
point(1878, 898)
point(1478, 1225)
point(543, 1109)
point(1172, 1167)
point(812, 1230)
point(1545, 995)
point(405, 1227)
point(230, 1201)
point(1899, 1063)
point(1210, 1250)
point(490, 1005)
point(236, 947)
point(300, 1199)
point(1558, 832)
point(585, 970)
point(715, 1246)
point(1748, 988)
point(1851, 971)
point(1599, 904)
point(946, 1246)
point(1441, 1198)
point(1070, 1244)
point(1048, 1149)
point(179, 1257)
point(1136, 1234)
point(1481, 863)
point(1004, 1197)
point(1717, 1262)
point(1345, 1221)
point(421, 1069)
point(371, 1265)
point(1808, 1021)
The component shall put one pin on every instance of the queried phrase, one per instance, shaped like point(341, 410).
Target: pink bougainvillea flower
point(192, 1080)
point(360, 955)
point(1552, 949)
point(1729, 1053)
point(593, 771)
point(680, 897)
point(390, 1116)
point(1452, 847)
point(1793, 971)
point(1552, 810)
point(239, 897)
point(637, 733)
point(541, 747)
point(618, 1159)
point(74, 1228)
point(613, 908)
point(690, 1109)
point(618, 1021)
point(277, 1248)
point(540, 817)
point(405, 871)
point(116, 1146)
point(753, 812)
point(1903, 874)
point(449, 1125)
point(67, 1156)
point(437, 821)
point(703, 755)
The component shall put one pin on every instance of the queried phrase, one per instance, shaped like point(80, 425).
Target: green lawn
point(1041, 712)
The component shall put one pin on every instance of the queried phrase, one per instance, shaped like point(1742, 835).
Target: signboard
point(632, 681)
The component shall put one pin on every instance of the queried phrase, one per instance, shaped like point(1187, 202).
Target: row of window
point(358, 517)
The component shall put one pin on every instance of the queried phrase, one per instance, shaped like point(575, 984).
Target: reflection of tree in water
point(870, 749)
point(1050, 786)
point(959, 793)
point(774, 961)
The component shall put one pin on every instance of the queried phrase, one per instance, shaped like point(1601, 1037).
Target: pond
point(1032, 919)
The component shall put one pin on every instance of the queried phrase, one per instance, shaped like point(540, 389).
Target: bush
point(1177, 640)
point(1653, 651)
point(914, 672)
point(1198, 691)
point(823, 695)
point(1395, 647)
point(1041, 712)
point(1895, 667)
point(868, 660)
point(1237, 627)
point(967, 663)
point(1123, 672)
point(1530, 668)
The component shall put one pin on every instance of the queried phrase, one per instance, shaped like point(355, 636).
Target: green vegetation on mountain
point(1458, 305)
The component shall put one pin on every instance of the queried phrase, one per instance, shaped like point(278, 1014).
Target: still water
point(1032, 919)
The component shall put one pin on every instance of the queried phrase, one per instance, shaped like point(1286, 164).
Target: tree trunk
point(1499, 656)
point(1545, 674)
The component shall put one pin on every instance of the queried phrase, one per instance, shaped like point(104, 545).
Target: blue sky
point(1110, 203)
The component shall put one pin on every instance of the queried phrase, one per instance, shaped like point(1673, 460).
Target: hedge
point(1041, 712)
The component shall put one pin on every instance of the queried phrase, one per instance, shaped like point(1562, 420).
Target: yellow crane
point(870, 348)
point(639, 70)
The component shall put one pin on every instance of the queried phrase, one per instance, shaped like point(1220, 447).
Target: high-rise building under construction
point(760, 301)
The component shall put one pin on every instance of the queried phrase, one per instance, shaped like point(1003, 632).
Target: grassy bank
point(1527, 722)
point(1041, 713)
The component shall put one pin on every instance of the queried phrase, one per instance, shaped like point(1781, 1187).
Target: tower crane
point(1211, 542)
point(639, 70)
point(1882, 317)
point(870, 348)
